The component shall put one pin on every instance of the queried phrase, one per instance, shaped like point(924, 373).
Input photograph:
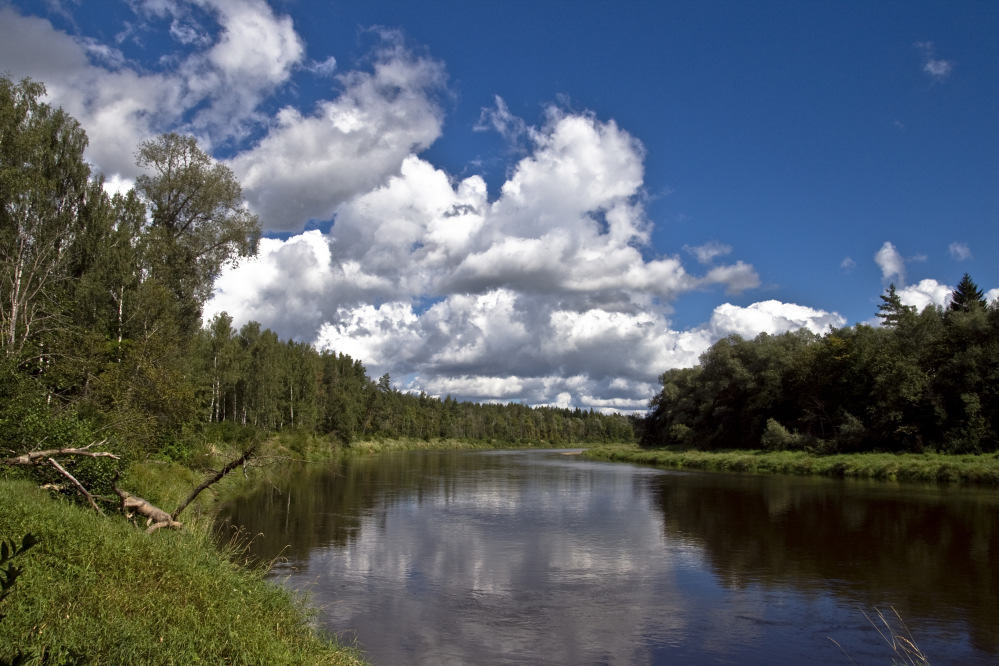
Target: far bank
point(982, 469)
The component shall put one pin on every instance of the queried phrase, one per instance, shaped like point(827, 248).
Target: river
point(514, 557)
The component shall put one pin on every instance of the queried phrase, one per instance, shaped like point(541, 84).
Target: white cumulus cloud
point(924, 293)
point(891, 263)
point(213, 92)
point(310, 163)
point(545, 291)
point(708, 252)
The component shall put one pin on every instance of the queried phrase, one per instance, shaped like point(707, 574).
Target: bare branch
point(40, 457)
point(79, 486)
point(218, 476)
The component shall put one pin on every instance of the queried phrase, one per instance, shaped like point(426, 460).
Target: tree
point(43, 183)
point(200, 221)
point(967, 295)
point(891, 310)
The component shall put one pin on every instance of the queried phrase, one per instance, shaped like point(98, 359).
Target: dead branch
point(41, 457)
point(218, 476)
point(77, 484)
point(155, 516)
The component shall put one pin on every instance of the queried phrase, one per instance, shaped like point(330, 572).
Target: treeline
point(251, 378)
point(101, 301)
point(921, 381)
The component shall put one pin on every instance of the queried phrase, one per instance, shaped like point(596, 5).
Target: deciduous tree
point(200, 221)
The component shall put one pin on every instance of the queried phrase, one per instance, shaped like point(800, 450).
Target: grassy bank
point(100, 588)
point(926, 467)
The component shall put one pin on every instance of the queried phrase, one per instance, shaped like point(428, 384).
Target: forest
point(921, 381)
point(101, 300)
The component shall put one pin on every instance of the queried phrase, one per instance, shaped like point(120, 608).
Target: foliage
point(9, 572)
point(967, 295)
point(43, 186)
point(926, 380)
point(8, 577)
point(199, 221)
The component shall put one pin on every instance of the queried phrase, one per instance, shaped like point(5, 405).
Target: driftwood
point(156, 517)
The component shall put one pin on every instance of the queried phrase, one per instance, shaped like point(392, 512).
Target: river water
point(514, 557)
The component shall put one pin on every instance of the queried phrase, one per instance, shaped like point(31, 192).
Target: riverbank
point(924, 467)
point(99, 587)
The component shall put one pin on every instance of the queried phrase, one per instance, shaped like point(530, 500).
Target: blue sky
point(554, 202)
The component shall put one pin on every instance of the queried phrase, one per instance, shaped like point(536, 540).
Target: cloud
point(547, 292)
point(926, 292)
point(847, 264)
point(213, 92)
point(325, 68)
point(936, 68)
point(708, 252)
point(772, 317)
point(539, 294)
point(891, 263)
point(289, 281)
point(309, 164)
point(500, 120)
point(960, 251)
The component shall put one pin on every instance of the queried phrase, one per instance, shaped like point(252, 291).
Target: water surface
point(507, 557)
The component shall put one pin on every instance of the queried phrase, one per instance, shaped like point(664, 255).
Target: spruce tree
point(967, 295)
point(891, 310)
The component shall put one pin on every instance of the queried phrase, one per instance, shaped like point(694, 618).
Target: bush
point(778, 438)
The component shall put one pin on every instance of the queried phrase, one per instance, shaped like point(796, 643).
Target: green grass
point(924, 467)
point(411, 444)
point(101, 588)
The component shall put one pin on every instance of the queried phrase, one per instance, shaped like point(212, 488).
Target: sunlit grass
point(438, 444)
point(927, 467)
point(101, 588)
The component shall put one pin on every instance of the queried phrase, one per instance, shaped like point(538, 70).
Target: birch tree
point(43, 184)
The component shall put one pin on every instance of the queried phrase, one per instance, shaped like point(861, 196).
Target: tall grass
point(898, 637)
point(924, 467)
point(100, 588)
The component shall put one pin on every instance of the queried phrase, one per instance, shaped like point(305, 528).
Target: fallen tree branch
point(41, 457)
point(242, 460)
point(155, 516)
point(79, 486)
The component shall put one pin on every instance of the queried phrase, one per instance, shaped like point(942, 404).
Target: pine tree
point(892, 312)
point(967, 295)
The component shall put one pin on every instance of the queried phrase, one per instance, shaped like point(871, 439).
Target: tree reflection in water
point(502, 557)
